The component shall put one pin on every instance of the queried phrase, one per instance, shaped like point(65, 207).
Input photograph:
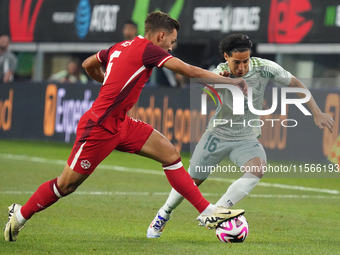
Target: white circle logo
point(85, 164)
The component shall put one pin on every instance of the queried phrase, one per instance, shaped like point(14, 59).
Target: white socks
point(173, 201)
point(238, 190)
point(19, 217)
point(209, 210)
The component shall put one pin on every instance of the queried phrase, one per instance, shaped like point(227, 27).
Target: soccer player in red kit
point(106, 126)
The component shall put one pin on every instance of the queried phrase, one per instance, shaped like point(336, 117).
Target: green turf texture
point(116, 222)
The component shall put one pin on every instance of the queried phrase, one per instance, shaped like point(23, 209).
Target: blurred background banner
point(50, 112)
point(300, 35)
point(275, 21)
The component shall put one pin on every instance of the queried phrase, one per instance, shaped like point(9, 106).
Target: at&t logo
point(83, 18)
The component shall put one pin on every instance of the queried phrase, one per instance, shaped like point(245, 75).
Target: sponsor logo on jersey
point(205, 158)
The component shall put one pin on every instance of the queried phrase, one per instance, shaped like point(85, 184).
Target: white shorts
point(211, 150)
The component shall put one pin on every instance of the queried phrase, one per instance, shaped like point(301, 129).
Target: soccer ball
point(233, 231)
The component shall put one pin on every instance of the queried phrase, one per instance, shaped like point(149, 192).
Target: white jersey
point(261, 71)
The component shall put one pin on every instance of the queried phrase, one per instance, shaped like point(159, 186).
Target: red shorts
point(94, 142)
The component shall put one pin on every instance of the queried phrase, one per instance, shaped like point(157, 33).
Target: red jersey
point(128, 66)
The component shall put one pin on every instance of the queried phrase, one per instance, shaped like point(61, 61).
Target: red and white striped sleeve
point(103, 56)
point(154, 56)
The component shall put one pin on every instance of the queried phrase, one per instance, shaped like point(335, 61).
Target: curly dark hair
point(159, 20)
point(235, 43)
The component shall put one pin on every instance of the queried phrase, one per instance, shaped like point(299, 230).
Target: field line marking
point(156, 172)
point(135, 193)
point(284, 186)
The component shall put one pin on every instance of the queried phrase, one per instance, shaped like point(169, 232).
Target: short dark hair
point(235, 43)
point(159, 20)
point(74, 60)
point(130, 22)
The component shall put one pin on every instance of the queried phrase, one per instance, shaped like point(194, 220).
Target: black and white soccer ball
point(233, 231)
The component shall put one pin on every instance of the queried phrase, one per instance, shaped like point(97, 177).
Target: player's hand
point(324, 120)
point(225, 73)
point(242, 84)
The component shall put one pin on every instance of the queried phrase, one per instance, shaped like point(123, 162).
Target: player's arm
point(93, 68)
point(321, 119)
point(8, 76)
point(178, 66)
point(12, 65)
point(209, 99)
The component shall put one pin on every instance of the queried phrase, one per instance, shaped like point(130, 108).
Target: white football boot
point(221, 214)
point(158, 224)
point(12, 228)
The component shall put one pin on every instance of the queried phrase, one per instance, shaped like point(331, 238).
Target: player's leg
point(175, 199)
point(160, 149)
point(158, 224)
point(201, 159)
point(51, 191)
point(251, 156)
point(87, 153)
point(46, 195)
point(142, 139)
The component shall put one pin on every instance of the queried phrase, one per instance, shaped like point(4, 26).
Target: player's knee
point(255, 166)
point(258, 173)
point(175, 153)
point(172, 155)
point(69, 188)
point(261, 171)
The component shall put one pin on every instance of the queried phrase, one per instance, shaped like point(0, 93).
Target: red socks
point(47, 194)
point(180, 180)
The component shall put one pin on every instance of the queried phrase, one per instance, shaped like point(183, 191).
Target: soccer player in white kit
point(237, 142)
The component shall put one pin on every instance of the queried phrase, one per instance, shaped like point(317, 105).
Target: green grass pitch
point(110, 212)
